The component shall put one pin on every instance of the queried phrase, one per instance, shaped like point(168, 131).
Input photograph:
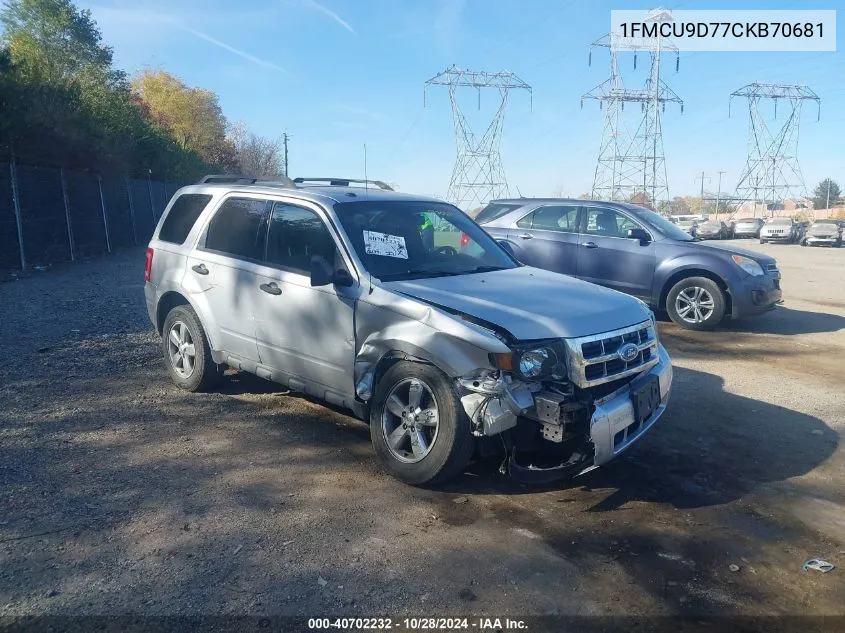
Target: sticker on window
point(385, 245)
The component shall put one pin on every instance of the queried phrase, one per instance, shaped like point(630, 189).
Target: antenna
point(366, 182)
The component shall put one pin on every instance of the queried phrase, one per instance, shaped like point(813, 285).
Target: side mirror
point(322, 273)
point(506, 246)
point(639, 234)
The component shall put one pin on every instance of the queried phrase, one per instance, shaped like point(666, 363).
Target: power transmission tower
point(632, 163)
point(478, 176)
point(772, 172)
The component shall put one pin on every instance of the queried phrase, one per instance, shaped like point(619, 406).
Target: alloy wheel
point(694, 304)
point(181, 350)
point(410, 420)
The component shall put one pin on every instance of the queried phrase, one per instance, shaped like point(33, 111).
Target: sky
point(341, 74)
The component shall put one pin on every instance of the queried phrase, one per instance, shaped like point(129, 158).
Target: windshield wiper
point(418, 274)
point(485, 269)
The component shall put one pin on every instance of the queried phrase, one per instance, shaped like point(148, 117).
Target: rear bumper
point(150, 296)
point(746, 233)
point(755, 295)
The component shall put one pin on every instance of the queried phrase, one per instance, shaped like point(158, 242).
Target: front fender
point(693, 264)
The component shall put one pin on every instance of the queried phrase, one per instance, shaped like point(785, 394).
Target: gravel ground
point(122, 495)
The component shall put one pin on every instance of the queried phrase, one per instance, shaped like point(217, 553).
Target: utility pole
point(827, 204)
point(285, 137)
point(719, 194)
point(702, 177)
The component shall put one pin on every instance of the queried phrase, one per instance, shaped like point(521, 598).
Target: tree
point(57, 43)
point(257, 156)
point(820, 194)
point(192, 116)
point(63, 103)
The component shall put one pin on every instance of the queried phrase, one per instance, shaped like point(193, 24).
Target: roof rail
point(343, 182)
point(226, 179)
point(235, 179)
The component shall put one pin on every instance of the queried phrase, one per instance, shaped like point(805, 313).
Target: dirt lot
point(121, 494)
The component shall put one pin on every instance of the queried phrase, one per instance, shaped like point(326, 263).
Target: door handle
point(271, 289)
point(526, 236)
point(590, 245)
point(200, 269)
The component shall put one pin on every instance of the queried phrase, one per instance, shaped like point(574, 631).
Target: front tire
point(187, 353)
point(696, 303)
point(418, 426)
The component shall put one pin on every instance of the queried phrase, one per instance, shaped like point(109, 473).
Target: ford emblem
point(628, 352)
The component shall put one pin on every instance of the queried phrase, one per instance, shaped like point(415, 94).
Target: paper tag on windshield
point(385, 245)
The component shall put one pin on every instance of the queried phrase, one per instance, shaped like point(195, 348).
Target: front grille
point(594, 360)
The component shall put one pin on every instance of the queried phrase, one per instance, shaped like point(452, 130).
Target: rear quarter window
point(494, 212)
point(182, 216)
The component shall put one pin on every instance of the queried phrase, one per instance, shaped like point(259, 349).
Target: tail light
point(148, 265)
point(464, 240)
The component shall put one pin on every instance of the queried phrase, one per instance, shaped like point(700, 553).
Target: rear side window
point(494, 212)
point(552, 218)
point(180, 220)
point(238, 228)
point(296, 235)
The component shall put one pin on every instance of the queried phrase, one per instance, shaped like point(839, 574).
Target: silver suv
point(403, 310)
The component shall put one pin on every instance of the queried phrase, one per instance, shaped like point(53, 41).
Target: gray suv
point(635, 250)
point(403, 310)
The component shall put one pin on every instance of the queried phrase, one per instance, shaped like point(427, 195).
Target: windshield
point(746, 220)
point(398, 240)
point(663, 225)
point(780, 221)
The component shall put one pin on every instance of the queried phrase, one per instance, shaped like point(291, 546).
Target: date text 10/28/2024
point(481, 624)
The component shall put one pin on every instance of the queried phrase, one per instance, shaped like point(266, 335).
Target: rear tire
point(423, 448)
point(696, 303)
point(182, 334)
point(762, 241)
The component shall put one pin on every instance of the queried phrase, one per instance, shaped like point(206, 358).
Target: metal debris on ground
point(819, 565)
point(733, 567)
point(237, 549)
point(322, 581)
point(460, 500)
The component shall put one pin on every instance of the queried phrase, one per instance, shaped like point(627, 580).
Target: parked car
point(780, 230)
point(823, 233)
point(712, 230)
point(403, 310)
point(634, 250)
point(747, 227)
point(690, 227)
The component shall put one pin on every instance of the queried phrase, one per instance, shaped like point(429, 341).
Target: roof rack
point(235, 179)
point(343, 182)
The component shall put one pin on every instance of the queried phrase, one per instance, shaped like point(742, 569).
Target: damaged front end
point(561, 408)
point(542, 427)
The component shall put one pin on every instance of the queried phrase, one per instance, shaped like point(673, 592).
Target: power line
point(478, 175)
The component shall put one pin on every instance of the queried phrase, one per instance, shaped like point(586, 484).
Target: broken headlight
point(535, 363)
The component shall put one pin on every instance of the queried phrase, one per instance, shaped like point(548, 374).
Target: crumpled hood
point(530, 303)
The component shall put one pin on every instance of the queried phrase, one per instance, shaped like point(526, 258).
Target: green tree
point(57, 43)
point(827, 188)
point(192, 116)
point(64, 103)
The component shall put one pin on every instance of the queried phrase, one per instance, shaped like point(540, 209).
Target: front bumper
point(777, 237)
point(613, 427)
point(755, 295)
point(828, 241)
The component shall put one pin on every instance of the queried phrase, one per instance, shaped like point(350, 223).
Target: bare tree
point(259, 156)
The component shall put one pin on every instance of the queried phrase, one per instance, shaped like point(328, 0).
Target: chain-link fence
point(50, 215)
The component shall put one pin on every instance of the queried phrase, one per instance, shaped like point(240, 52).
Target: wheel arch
point(695, 272)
